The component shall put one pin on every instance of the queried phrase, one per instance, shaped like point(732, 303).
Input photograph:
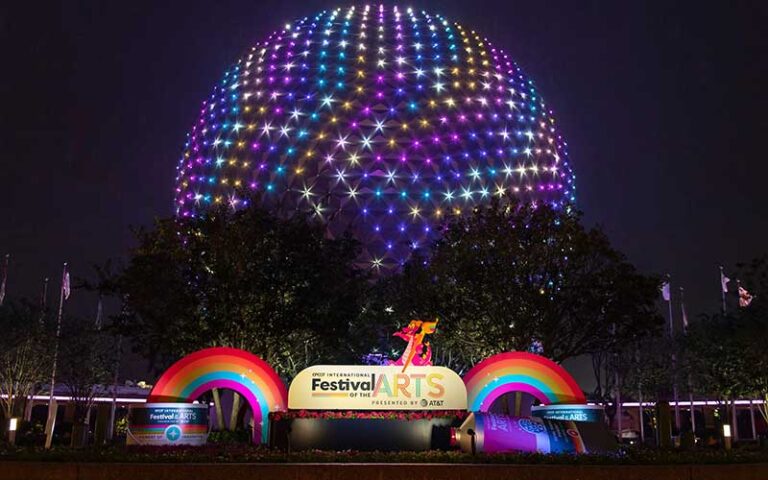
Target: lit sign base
point(363, 434)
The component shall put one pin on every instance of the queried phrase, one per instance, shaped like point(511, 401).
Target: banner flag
point(665, 291)
point(65, 287)
point(684, 314)
point(99, 308)
point(745, 298)
point(5, 278)
point(724, 281)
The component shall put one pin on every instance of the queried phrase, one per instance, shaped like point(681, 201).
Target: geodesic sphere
point(378, 120)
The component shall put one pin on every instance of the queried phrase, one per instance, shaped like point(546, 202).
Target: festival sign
point(573, 412)
point(374, 387)
point(222, 367)
point(524, 372)
point(167, 424)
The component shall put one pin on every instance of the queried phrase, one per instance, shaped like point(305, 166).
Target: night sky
point(663, 106)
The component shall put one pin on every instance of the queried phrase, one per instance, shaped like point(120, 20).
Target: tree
point(513, 275)
point(86, 357)
point(750, 329)
point(277, 287)
point(246, 279)
point(646, 367)
point(25, 355)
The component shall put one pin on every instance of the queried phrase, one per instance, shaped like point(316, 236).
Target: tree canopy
point(25, 354)
point(276, 287)
point(518, 276)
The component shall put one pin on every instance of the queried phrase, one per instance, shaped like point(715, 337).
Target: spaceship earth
point(377, 120)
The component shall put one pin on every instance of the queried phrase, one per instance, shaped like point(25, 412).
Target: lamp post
point(13, 424)
point(727, 436)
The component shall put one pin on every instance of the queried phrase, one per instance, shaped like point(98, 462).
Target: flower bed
point(250, 454)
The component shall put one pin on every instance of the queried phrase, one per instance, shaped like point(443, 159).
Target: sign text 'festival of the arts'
point(369, 387)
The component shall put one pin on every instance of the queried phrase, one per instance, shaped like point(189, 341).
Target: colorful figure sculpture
point(417, 352)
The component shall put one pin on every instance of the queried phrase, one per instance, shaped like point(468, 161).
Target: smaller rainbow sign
point(519, 372)
point(167, 424)
point(230, 368)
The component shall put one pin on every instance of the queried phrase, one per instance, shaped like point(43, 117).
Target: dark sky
point(663, 104)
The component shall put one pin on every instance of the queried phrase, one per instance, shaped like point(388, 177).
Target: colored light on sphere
point(379, 120)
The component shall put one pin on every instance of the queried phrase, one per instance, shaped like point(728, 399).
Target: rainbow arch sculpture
point(520, 372)
point(223, 367)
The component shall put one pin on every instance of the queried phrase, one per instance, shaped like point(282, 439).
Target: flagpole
point(640, 394)
point(51, 412)
point(113, 409)
point(674, 358)
point(685, 332)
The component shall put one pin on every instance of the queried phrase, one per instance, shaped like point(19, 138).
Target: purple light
point(414, 122)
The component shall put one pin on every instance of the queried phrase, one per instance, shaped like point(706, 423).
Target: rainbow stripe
point(519, 372)
point(230, 368)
